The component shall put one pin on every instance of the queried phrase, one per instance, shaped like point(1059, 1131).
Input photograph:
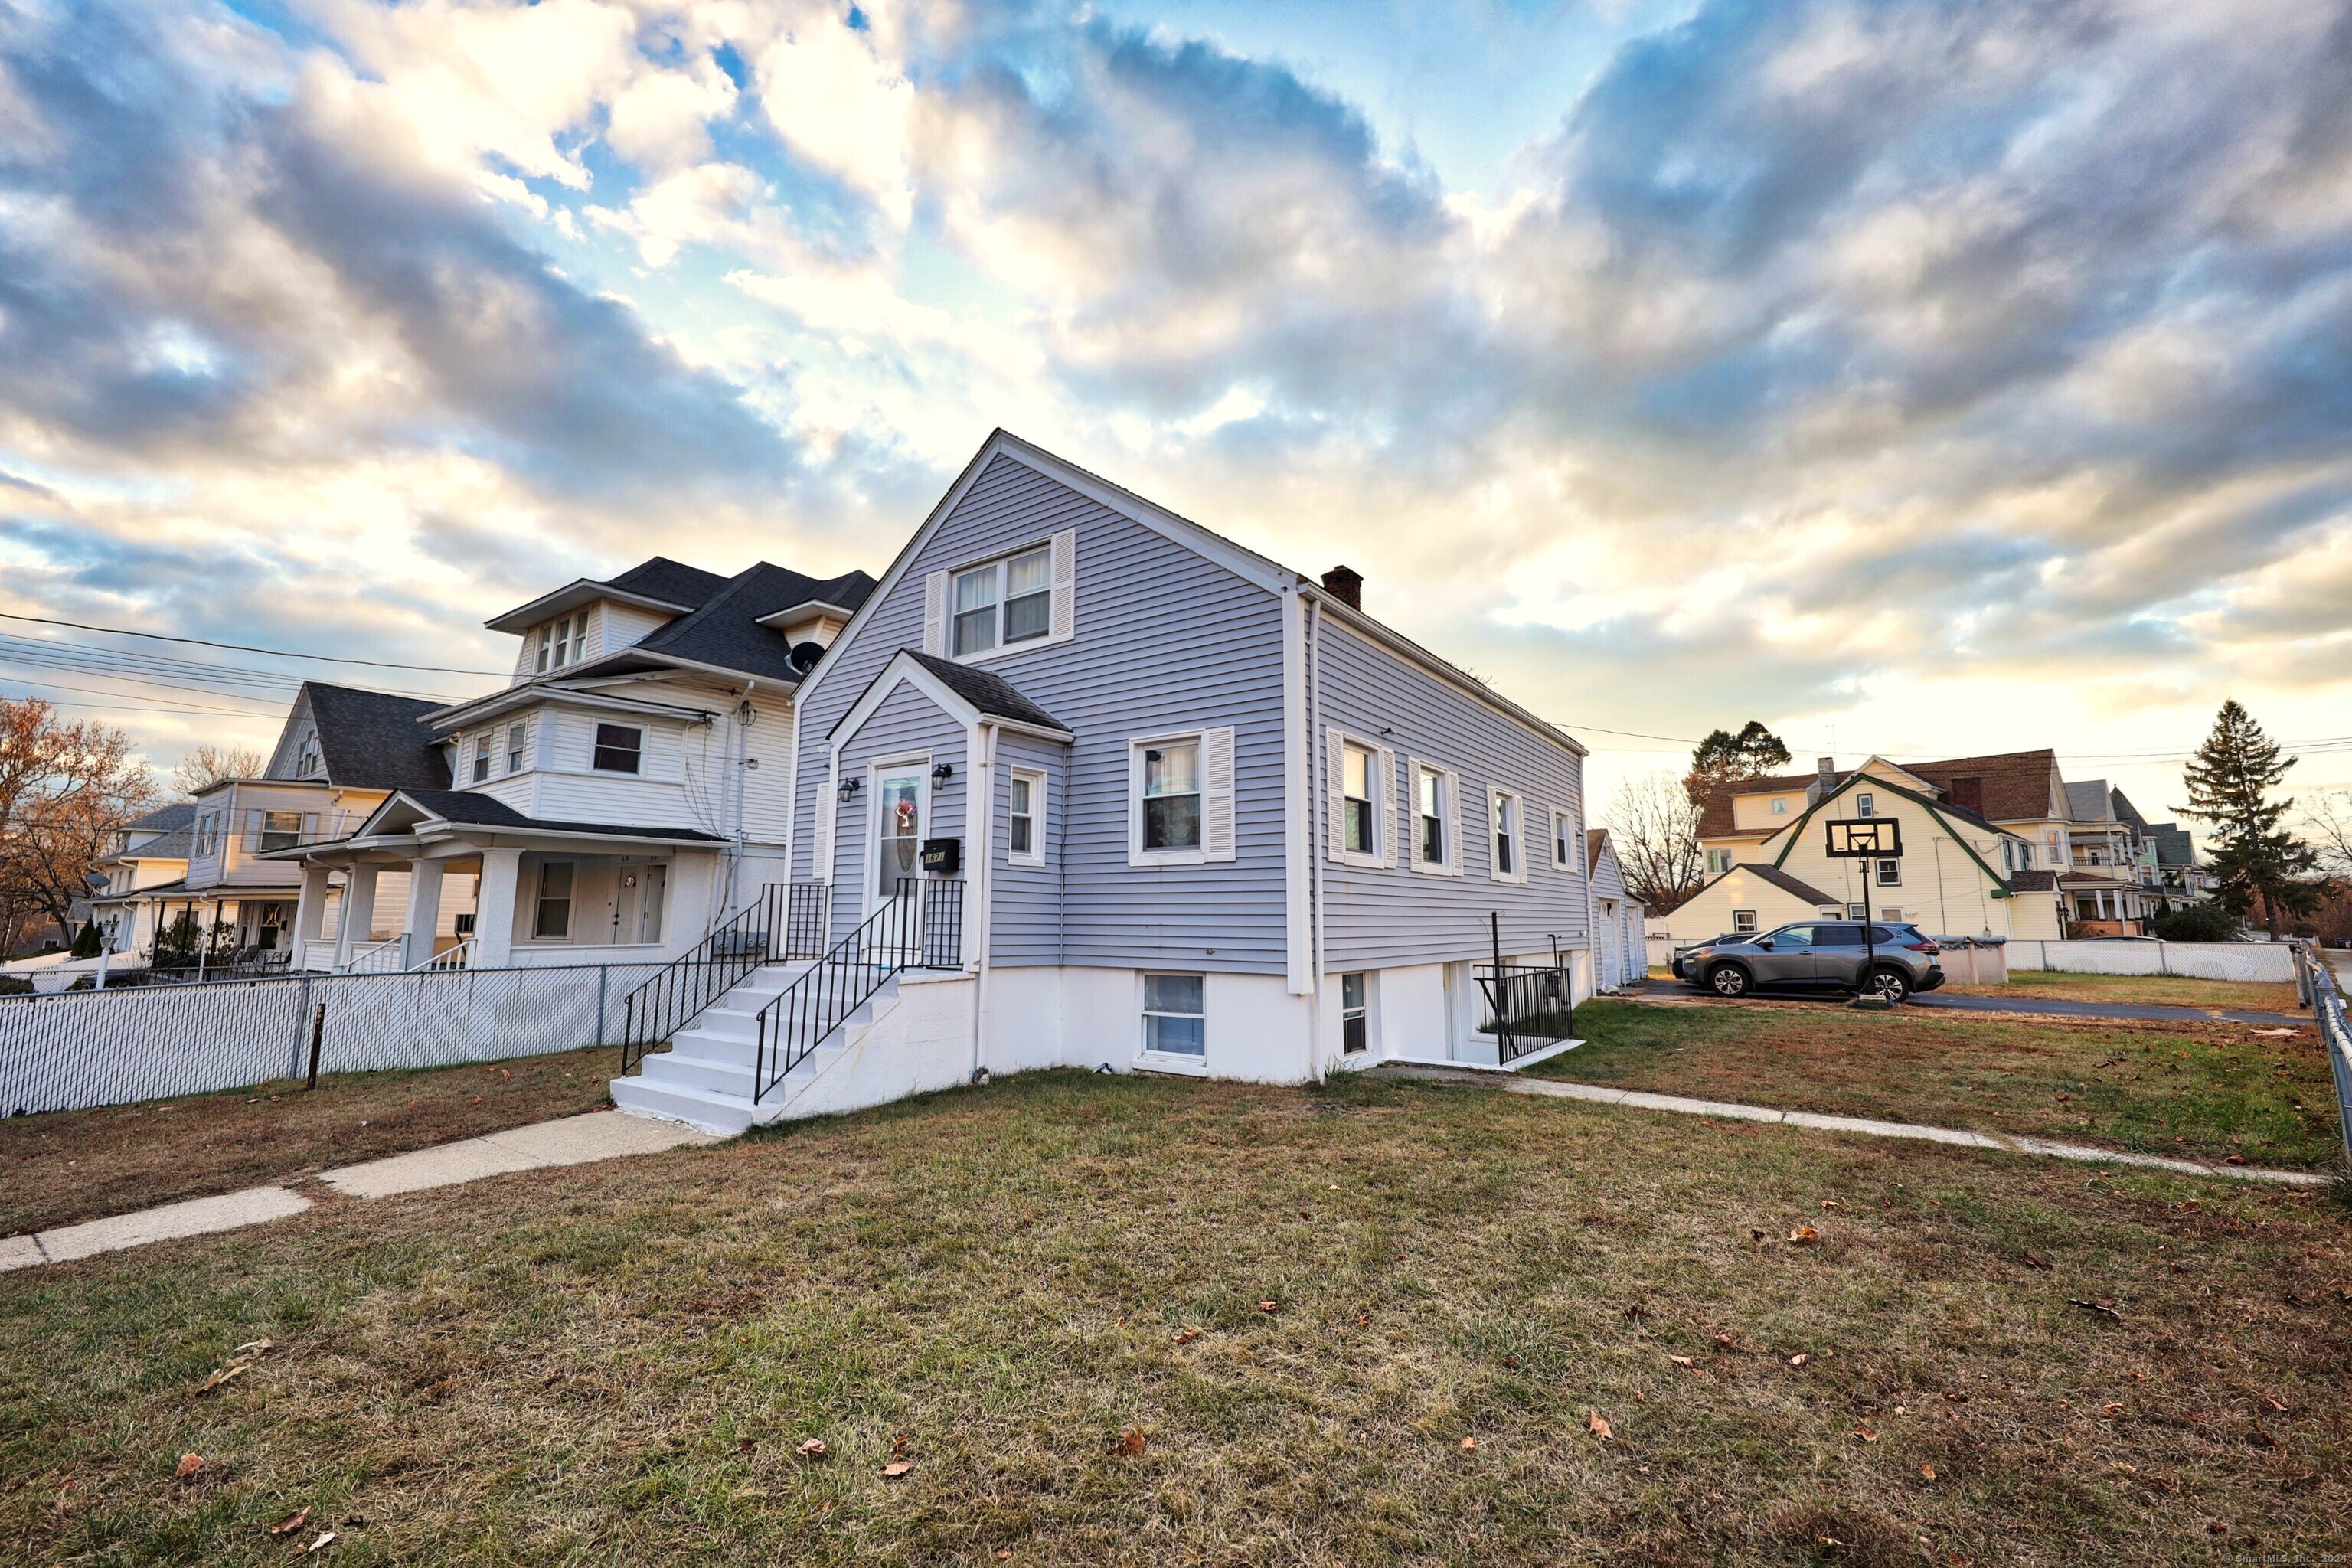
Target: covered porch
point(506, 892)
point(2098, 904)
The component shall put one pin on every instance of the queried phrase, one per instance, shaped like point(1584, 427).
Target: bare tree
point(208, 764)
point(1655, 826)
point(65, 791)
point(2330, 822)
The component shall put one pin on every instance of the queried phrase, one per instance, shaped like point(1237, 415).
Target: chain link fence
point(2317, 985)
point(83, 1048)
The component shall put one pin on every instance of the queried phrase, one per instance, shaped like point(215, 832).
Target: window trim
point(1035, 854)
point(1450, 790)
point(1563, 835)
point(1879, 868)
point(1058, 626)
point(597, 747)
point(1496, 796)
point(519, 747)
point(1362, 1012)
point(1380, 777)
point(540, 901)
point(481, 766)
point(1747, 915)
point(1170, 1061)
point(1865, 802)
point(1207, 738)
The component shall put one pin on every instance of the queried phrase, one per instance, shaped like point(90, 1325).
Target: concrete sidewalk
point(2000, 1142)
point(573, 1141)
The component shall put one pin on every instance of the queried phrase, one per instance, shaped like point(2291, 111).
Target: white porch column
point(494, 909)
point(359, 913)
point(310, 914)
point(423, 912)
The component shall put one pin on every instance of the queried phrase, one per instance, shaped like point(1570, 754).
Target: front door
point(898, 832)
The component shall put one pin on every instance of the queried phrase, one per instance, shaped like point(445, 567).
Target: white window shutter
point(1063, 604)
point(1451, 786)
point(1335, 780)
point(1386, 809)
point(1217, 793)
point(935, 615)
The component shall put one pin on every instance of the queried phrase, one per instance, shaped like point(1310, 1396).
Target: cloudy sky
point(1922, 378)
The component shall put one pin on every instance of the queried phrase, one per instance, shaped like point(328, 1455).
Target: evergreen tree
point(86, 941)
point(2255, 860)
point(1724, 758)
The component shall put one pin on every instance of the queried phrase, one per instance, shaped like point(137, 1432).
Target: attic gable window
point(1025, 599)
point(562, 642)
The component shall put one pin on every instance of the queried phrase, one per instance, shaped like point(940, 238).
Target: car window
point(1795, 936)
point(1886, 935)
point(1839, 936)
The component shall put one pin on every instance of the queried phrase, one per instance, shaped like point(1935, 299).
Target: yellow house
point(1958, 875)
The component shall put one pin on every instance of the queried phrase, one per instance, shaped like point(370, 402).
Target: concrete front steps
point(883, 1050)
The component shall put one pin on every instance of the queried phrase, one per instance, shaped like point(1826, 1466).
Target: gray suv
point(1818, 955)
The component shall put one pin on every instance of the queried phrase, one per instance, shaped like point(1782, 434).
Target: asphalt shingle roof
point(991, 694)
point(163, 819)
point(725, 630)
point(1788, 884)
point(672, 581)
point(478, 810)
point(373, 741)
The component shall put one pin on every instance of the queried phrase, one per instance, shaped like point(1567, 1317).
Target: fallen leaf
point(2104, 1307)
point(1362, 1318)
point(1804, 1234)
point(233, 1371)
point(1831, 1203)
point(1598, 1425)
point(1800, 1359)
point(2217, 1528)
point(1722, 1338)
point(2035, 1260)
point(1756, 1234)
point(898, 1444)
point(2263, 1433)
point(1469, 1444)
point(1003, 1553)
point(1129, 1444)
point(1186, 1336)
point(1680, 1359)
point(1958, 1398)
point(1266, 1306)
point(2111, 1409)
point(2233, 1160)
point(1929, 1472)
point(814, 1448)
point(1866, 1434)
point(252, 1348)
point(746, 1444)
point(326, 1539)
point(2273, 1404)
point(189, 1464)
point(291, 1522)
point(898, 1467)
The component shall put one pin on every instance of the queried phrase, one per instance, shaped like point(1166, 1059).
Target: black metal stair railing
point(1531, 1005)
point(921, 928)
point(786, 921)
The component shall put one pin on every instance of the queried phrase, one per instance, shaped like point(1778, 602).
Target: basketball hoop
point(1866, 838)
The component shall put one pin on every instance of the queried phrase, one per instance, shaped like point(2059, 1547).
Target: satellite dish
point(804, 655)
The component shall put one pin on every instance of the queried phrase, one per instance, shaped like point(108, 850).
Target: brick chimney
point(1824, 778)
point(1345, 586)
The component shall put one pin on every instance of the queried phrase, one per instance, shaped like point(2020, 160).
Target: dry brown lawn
point(2141, 990)
point(1119, 1321)
point(2206, 1091)
point(74, 1165)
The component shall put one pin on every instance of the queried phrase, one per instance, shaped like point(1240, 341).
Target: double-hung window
point(1004, 602)
point(1508, 813)
point(1171, 795)
point(1358, 831)
point(1890, 873)
point(551, 919)
point(280, 829)
point(1024, 843)
point(1174, 1021)
point(619, 748)
point(482, 756)
point(517, 733)
point(1434, 793)
point(1743, 920)
point(1865, 805)
point(1180, 801)
point(1564, 837)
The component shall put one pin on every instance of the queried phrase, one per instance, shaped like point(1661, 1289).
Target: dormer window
point(562, 642)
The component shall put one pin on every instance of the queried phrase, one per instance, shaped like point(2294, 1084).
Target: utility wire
point(246, 648)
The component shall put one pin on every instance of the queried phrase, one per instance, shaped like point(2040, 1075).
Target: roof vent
point(1345, 586)
point(804, 655)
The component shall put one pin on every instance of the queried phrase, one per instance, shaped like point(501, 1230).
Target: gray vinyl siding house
point(1106, 643)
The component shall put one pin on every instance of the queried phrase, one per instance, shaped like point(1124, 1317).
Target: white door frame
point(919, 764)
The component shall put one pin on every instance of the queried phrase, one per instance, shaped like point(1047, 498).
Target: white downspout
point(1315, 839)
point(742, 740)
point(979, 812)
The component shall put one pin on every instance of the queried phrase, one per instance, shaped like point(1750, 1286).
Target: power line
point(246, 648)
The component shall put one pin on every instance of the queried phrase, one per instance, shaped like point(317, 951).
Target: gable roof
point(371, 741)
point(1943, 811)
point(659, 577)
point(1793, 886)
point(659, 584)
point(1239, 559)
point(2087, 802)
point(163, 819)
point(1596, 839)
point(990, 694)
point(726, 632)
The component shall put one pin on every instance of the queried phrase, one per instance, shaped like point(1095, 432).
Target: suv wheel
point(1891, 983)
point(1727, 980)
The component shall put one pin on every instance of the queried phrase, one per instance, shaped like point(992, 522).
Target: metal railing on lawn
point(2315, 982)
point(786, 921)
point(921, 928)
